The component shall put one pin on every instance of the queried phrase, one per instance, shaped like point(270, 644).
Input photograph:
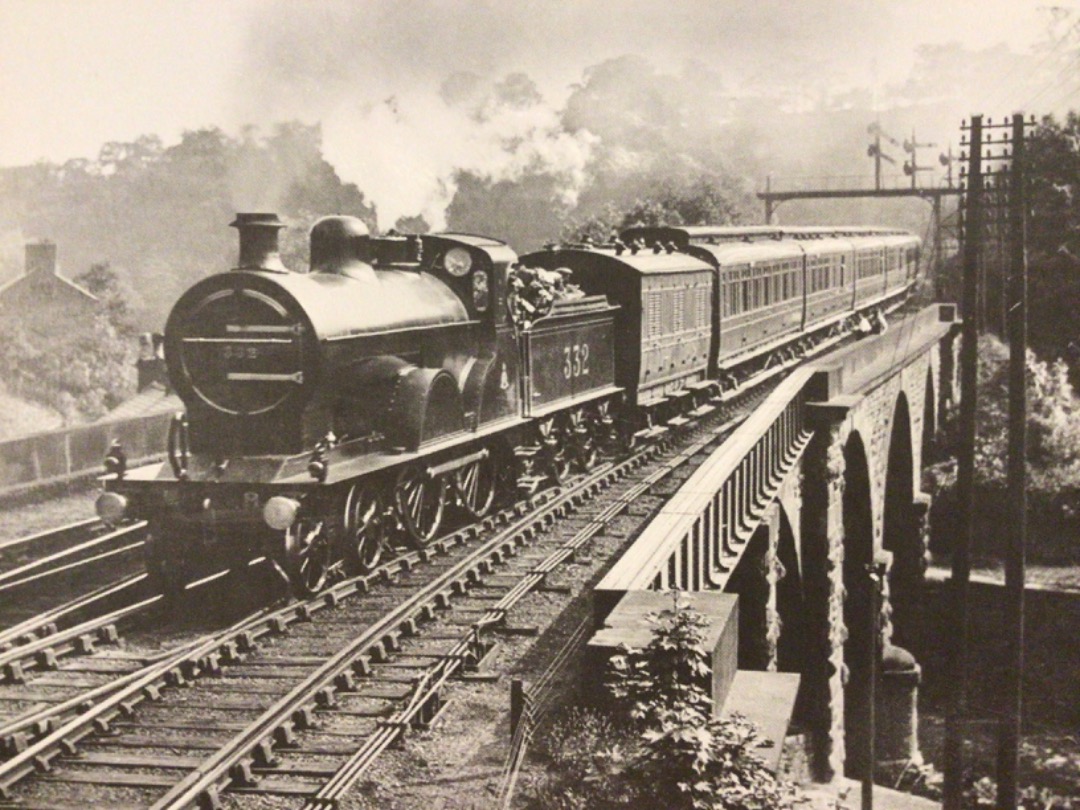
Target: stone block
point(627, 626)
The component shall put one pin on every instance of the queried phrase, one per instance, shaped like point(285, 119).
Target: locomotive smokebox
point(259, 242)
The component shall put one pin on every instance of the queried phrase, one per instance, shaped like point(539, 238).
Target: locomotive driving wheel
point(367, 529)
point(421, 502)
point(476, 484)
point(307, 556)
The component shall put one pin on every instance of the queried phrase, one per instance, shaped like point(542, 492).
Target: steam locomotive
point(407, 381)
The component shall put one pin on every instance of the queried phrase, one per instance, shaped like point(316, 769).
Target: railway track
point(50, 578)
point(299, 701)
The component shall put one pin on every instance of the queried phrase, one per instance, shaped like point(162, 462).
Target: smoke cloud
point(408, 95)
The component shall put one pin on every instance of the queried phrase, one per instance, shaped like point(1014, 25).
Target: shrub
point(660, 748)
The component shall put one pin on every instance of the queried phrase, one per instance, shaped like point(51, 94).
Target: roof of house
point(12, 283)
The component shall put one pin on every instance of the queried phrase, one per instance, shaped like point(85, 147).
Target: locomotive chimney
point(259, 242)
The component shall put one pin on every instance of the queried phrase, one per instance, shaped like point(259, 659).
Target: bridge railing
point(697, 538)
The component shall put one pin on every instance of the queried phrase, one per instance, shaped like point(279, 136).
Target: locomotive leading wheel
point(420, 502)
point(475, 484)
point(367, 529)
point(307, 557)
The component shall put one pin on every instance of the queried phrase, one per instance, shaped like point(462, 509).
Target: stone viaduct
point(820, 482)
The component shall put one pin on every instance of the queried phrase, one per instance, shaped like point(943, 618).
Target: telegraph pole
point(972, 231)
point(1010, 729)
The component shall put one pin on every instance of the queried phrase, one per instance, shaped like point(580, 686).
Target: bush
point(660, 748)
point(1053, 459)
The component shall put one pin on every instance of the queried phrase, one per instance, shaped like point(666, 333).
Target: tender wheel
point(367, 530)
point(605, 431)
point(420, 502)
point(476, 484)
point(556, 459)
point(582, 449)
point(307, 557)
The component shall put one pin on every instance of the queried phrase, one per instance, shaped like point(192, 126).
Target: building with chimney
point(43, 299)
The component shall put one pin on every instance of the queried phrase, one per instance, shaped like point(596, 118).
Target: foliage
point(159, 214)
point(1053, 420)
point(1053, 244)
point(112, 293)
point(983, 793)
point(82, 376)
point(707, 201)
point(1053, 459)
point(662, 749)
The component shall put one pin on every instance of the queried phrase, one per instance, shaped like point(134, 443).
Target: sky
point(75, 74)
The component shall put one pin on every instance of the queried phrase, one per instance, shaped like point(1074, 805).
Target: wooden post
point(1012, 709)
point(517, 704)
point(961, 545)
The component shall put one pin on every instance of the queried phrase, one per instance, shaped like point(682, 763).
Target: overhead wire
point(1069, 66)
point(1043, 62)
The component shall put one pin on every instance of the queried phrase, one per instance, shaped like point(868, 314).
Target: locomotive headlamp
point(280, 512)
point(111, 507)
point(457, 261)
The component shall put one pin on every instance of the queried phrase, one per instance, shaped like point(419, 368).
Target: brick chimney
point(40, 258)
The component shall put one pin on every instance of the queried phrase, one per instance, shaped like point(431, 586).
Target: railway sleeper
point(47, 659)
point(13, 672)
point(242, 775)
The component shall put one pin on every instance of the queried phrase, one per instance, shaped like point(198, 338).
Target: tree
point(707, 201)
point(112, 293)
